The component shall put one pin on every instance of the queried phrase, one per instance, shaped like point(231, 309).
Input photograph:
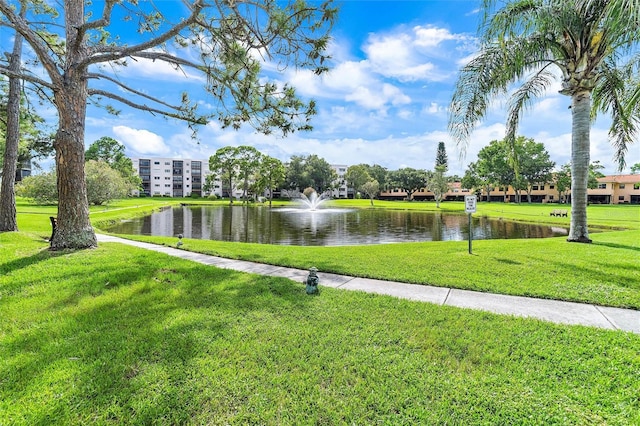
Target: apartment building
point(617, 189)
point(171, 177)
point(342, 190)
point(613, 189)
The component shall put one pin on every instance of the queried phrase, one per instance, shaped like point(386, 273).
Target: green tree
point(635, 168)
point(534, 164)
point(378, 173)
point(310, 172)
point(224, 164)
point(562, 180)
point(409, 180)
point(112, 152)
point(322, 176)
point(586, 41)
point(472, 180)
point(221, 41)
point(41, 188)
point(297, 178)
point(441, 157)
point(271, 174)
point(247, 162)
point(371, 189)
point(494, 167)
point(104, 183)
point(357, 176)
point(438, 184)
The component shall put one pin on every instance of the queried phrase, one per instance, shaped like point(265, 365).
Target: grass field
point(119, 335)
point(606, 272)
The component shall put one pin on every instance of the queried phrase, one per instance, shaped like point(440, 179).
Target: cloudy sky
point(385, 101)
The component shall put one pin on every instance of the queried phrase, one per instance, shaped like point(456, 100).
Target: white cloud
point(141, 141)
point(432, 36)
point(411, 54)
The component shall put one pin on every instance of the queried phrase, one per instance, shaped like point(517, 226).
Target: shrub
point(104, 183)
point(41, 188)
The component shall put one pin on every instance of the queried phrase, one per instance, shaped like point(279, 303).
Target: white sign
point(470, 203)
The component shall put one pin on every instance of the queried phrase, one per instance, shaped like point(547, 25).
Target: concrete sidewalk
point(547, 310)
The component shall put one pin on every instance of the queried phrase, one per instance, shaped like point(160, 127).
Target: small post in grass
point(470, 208)
point(312, 281)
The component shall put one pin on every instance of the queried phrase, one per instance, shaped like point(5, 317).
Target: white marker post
point(470, 207)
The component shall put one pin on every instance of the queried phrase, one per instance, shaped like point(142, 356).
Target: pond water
point(324, 227)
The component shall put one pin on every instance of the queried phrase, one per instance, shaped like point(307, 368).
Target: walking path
point(548, 310)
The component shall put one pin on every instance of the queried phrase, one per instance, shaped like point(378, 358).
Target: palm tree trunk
point(580, 158)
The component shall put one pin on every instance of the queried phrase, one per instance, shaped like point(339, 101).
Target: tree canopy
point(225, 43)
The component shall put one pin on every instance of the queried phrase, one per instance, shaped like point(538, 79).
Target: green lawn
point(606, 272)
point(120, 335)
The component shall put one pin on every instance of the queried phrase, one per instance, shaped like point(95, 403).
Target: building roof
point(620, 179)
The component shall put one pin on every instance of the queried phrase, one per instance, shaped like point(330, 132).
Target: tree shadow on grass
point(131, 350)
point(614, 245)
point(24, 262)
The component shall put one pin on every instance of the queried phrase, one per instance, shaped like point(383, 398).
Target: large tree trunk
point(73, 228)
point(8, 219)
point(580, 158)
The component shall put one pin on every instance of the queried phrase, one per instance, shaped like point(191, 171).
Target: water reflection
point(324, 227)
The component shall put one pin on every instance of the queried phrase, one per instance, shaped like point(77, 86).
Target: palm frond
point(615, 95)
point(490, 74)
point(535, 87)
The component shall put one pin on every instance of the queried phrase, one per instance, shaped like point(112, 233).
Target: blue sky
point(384, 102)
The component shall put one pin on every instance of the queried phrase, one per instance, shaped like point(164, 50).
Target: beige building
point(614, 189)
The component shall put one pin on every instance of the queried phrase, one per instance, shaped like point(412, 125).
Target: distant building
point(342, 190)
point(613, 189)
point(172, 177)
point(616, 189)
point(23, 170)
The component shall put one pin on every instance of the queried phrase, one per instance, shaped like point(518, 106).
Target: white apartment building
point(173, 177)
point(179, 177)
point(342, 191)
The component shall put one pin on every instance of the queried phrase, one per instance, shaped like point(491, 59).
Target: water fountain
point(312, 201)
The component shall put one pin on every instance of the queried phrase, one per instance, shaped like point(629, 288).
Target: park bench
point(54, 225)
point(559, 212)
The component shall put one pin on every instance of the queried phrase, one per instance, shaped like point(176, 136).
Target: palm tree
point(591, 45)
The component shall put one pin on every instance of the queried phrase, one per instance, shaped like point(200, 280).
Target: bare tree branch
point(184, 117)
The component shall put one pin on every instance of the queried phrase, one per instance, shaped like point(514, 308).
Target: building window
point(167, 170)
point(167, 163)
point(541, 187)
point(551, 186)
point(622, 186)
point(534, 187)
point(602, 186)
point(551, 197)
point(621, 198)
point(156, 178)
point(156, 162)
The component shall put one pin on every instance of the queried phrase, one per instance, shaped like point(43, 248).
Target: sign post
point(470, 207)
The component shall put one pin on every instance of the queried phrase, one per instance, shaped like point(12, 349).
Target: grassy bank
point(119, 335)
point(605, 273)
